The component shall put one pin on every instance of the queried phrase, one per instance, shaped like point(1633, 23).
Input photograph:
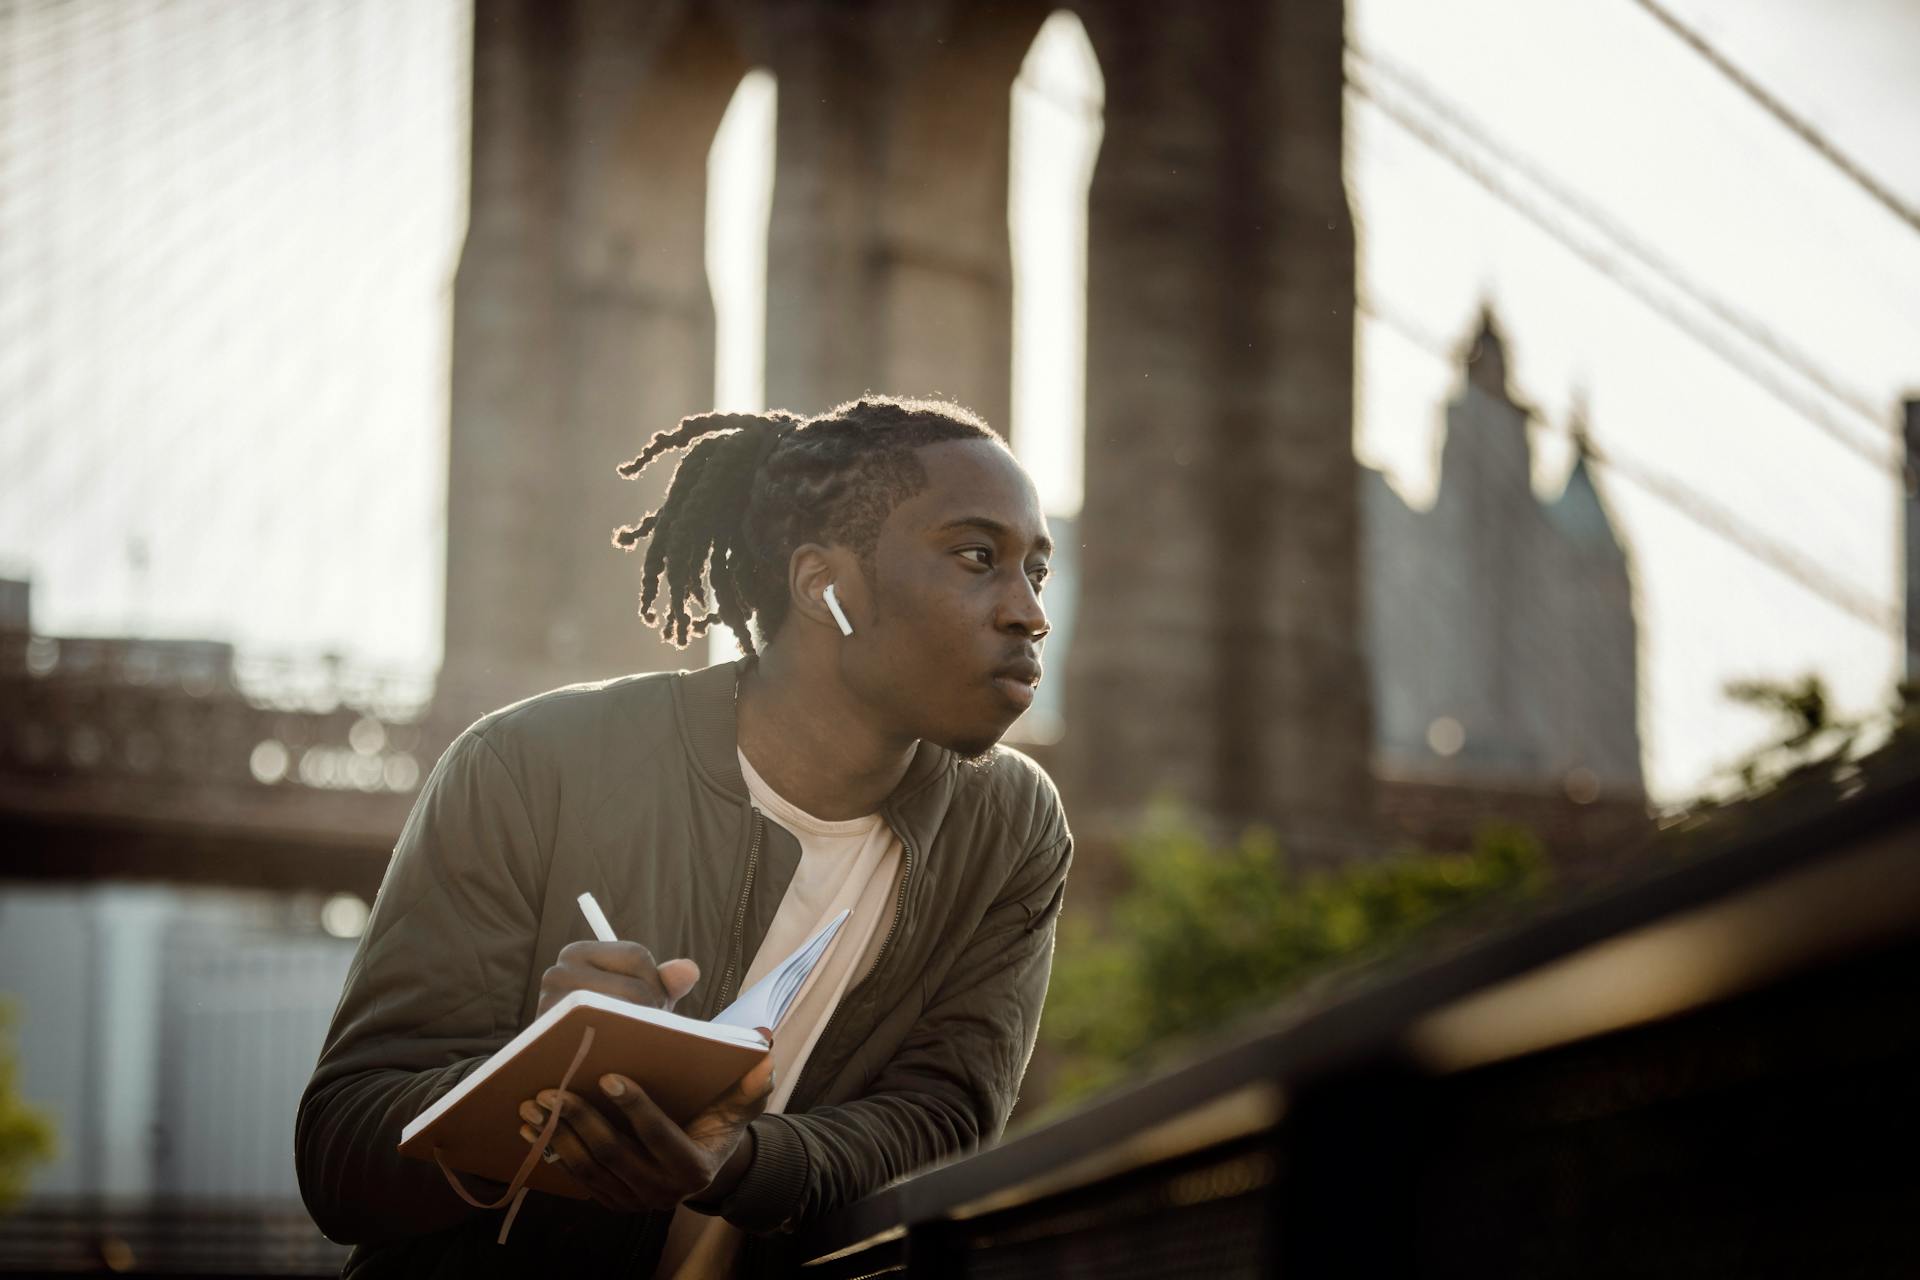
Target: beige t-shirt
point(843, 865)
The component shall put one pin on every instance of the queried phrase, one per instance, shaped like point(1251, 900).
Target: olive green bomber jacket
point(632, 789)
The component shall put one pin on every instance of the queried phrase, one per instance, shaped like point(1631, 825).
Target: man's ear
point(811, 570)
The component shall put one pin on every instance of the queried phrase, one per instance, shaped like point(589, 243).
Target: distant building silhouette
point(1501, 628)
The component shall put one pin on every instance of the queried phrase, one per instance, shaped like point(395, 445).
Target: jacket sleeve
point(434, 988)
point(946, 1091)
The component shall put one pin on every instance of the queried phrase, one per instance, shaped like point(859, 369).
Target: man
point(889, 555)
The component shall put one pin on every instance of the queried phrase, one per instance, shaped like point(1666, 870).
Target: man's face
point(952, 652)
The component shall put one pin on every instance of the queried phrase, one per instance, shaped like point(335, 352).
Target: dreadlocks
point(753, 486)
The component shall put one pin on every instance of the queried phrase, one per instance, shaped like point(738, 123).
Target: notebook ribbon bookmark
point(517, 1189)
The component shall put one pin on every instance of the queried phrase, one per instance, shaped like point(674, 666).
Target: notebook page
point(767, 1001)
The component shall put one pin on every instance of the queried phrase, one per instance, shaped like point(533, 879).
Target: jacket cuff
point(769, 1193)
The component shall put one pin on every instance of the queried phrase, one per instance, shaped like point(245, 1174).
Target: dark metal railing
point(1704, 1072)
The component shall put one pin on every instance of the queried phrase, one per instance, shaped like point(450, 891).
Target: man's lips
point(1018, 680)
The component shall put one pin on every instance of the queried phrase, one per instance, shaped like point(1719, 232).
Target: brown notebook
point(682, 1063)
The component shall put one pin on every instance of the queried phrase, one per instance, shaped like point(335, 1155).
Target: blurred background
point(1477, 436)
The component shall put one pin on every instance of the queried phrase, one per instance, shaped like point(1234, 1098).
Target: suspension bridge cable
point(1610, 268)
point(1437, 107)
point(1796, 124)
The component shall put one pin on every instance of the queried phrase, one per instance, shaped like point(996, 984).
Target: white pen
point(597, 918)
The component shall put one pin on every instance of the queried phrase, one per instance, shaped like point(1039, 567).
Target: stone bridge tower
point(1217, 653)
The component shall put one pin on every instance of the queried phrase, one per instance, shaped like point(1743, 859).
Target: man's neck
point(807, 740)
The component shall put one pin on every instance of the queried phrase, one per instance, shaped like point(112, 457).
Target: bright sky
point(1607, 103)
point(227, 242)
point(223, 323)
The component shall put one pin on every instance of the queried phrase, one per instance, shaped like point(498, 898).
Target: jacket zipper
point(899, 910)
point(732, 975)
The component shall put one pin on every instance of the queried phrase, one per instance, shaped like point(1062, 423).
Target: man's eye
point(983, 555)
point(1038, 575)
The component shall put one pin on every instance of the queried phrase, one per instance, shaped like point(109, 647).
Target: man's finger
point(531, 1135)
point(620, 1157)
point(664, 1140)
point(678, 976)
point(630, 958)
point(750, 1093)
point(633, 990)
point(722, 1123)
point(573, 1155)
point(623, 970)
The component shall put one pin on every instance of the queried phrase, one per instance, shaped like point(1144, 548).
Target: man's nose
point(1023, 613)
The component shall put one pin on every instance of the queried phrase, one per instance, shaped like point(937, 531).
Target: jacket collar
point(707, 714)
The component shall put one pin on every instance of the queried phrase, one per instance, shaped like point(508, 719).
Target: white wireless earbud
point(839, 614)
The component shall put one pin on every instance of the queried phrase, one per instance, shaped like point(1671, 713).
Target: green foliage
point(26, 1136)
point(1202, 934)
point(1808, 733)
point(1810, 739)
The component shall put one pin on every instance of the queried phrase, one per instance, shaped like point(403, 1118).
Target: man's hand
point(624, 970)
point(642, 1160)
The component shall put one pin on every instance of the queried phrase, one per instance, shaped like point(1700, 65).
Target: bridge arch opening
point(1058, 99)
point(1054, 140)
point(739, 209)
